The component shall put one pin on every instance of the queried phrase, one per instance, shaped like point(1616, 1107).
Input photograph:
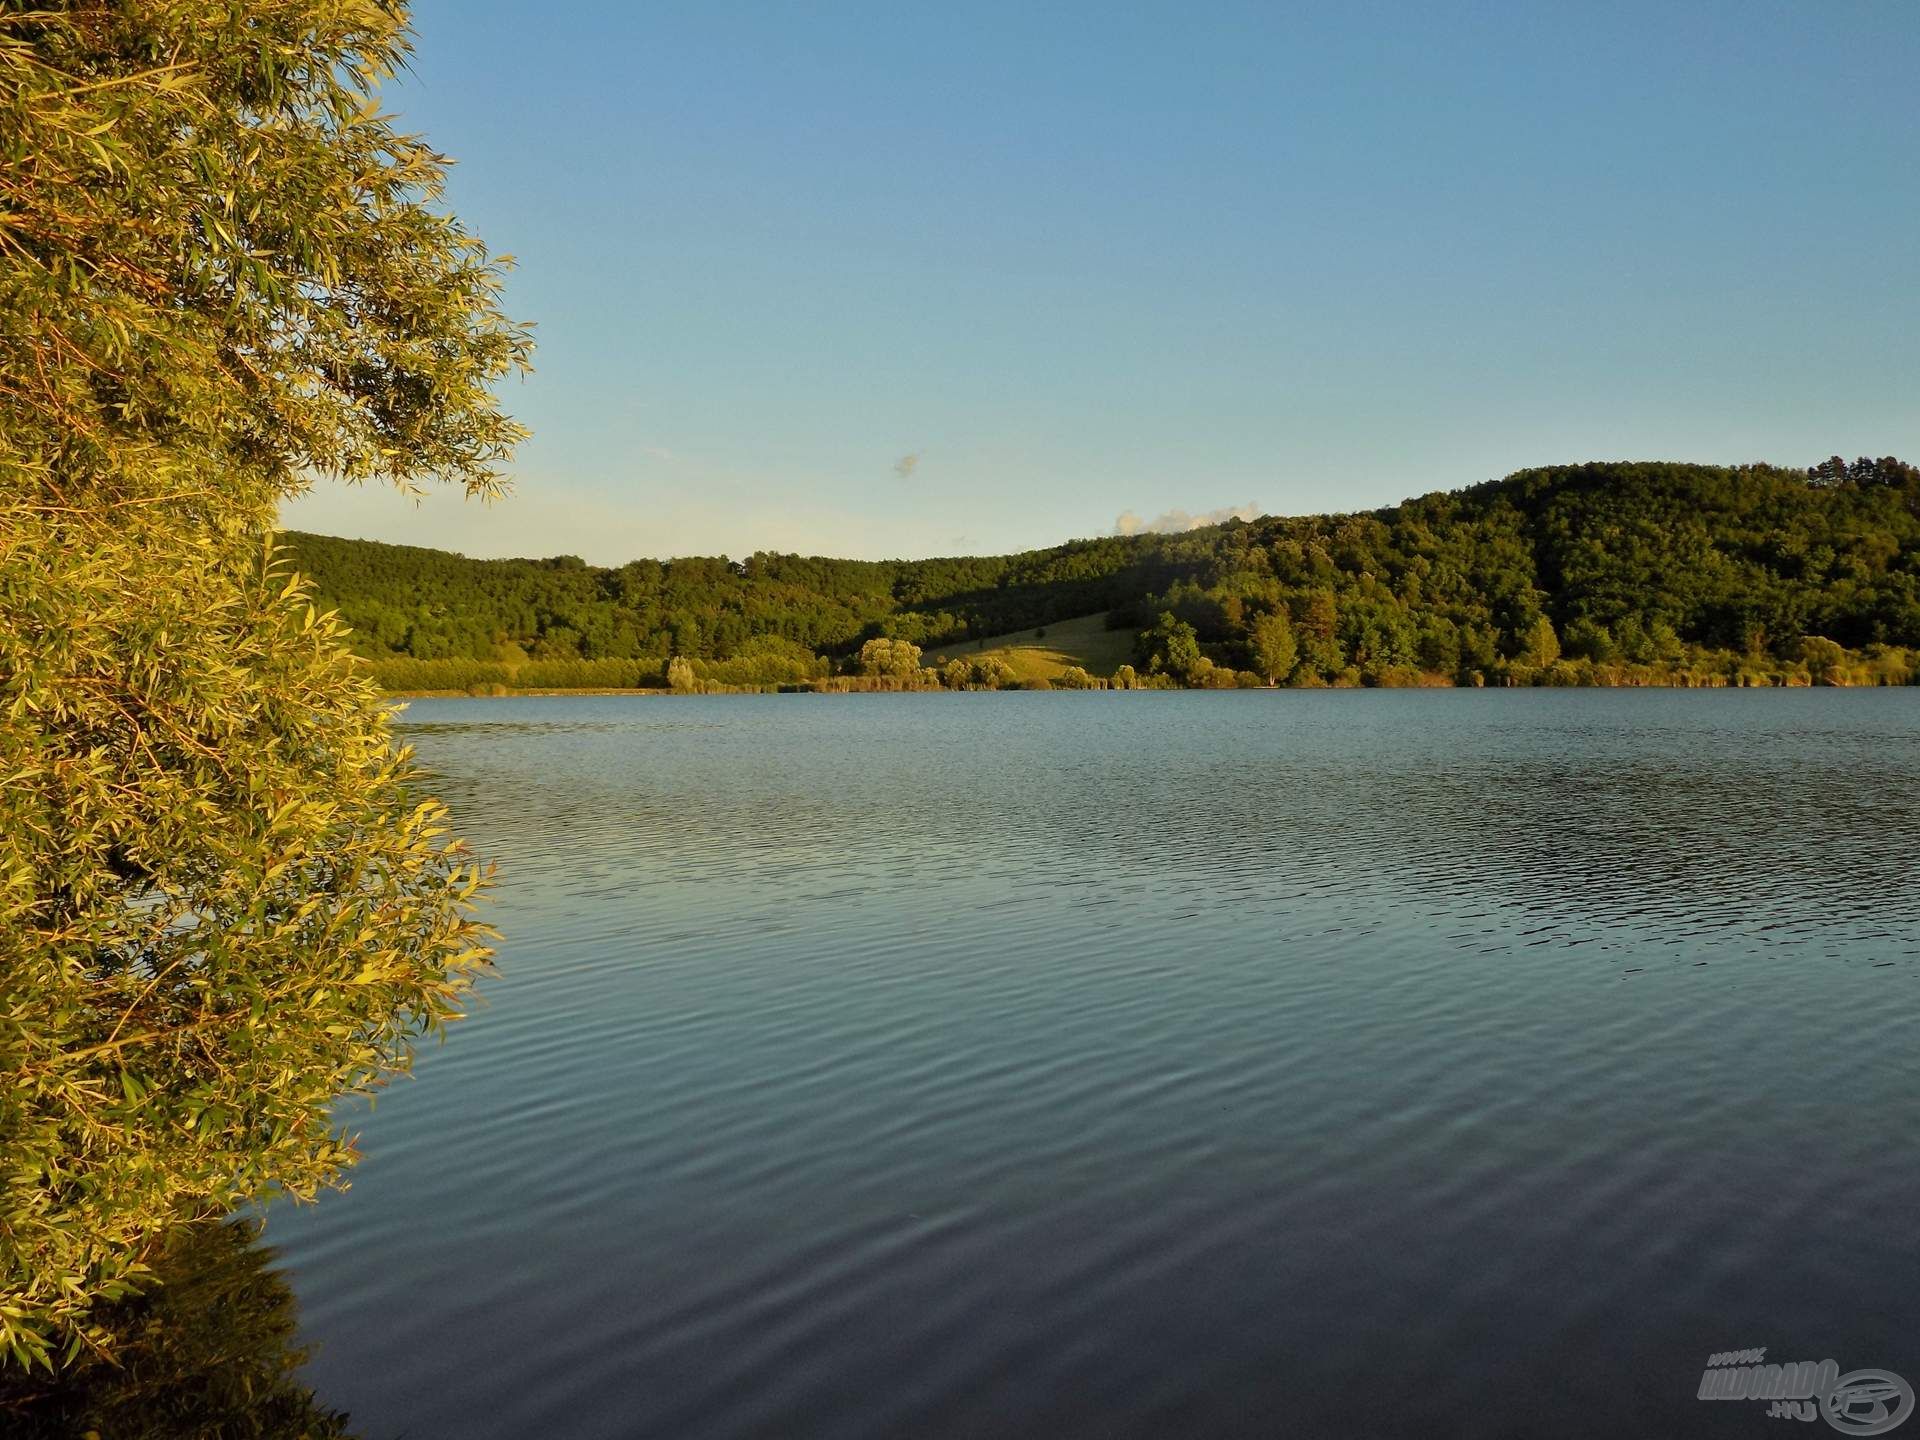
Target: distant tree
point(1316, 626)
point(1125, 678)
point(1437, 647)
point(1589, 640)
point(1319, 615)
point(1542, 646)
point(1830, 471)
point(560, 643)
point(1479, 647)
point(615, 642)
point(680, 674)
point(1274, 649)
point(889, 657)
point(1887, 470)
point(684, 631)
point(1822, 658)
point(1171, 646)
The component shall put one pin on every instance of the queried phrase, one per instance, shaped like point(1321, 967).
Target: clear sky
point(1093, 261)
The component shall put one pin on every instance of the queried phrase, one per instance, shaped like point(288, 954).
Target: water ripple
point(1116, 1065)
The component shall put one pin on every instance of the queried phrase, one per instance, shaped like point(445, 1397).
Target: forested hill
point(1628, 564)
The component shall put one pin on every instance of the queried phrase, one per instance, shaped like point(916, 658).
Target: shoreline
point(660, 692)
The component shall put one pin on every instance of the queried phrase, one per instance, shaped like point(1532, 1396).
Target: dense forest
point(1598, 573)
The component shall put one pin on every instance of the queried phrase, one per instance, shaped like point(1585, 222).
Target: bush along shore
point(1821, 663)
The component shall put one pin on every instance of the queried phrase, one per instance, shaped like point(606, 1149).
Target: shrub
point(993, 673)
point(889, 657)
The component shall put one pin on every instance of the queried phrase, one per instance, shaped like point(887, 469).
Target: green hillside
point(1598, 573)
point(1046, 651)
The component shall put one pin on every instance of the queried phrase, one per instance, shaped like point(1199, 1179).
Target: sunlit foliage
point(889, 657)
point(222, 903)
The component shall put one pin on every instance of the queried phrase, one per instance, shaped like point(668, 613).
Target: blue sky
point(1094, 261)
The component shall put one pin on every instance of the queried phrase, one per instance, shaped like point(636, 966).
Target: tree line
point(1595, 573)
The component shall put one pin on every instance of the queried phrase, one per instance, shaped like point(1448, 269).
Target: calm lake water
point(1056, 1065)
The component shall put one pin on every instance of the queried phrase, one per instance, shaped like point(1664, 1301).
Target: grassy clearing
point(1084, 641)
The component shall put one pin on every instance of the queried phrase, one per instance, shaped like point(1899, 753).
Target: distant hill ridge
point(1610, 566)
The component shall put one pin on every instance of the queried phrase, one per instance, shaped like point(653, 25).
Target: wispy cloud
point(906, 465)
point(1172, 522)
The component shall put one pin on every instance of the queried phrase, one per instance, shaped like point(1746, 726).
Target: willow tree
point(223, 904)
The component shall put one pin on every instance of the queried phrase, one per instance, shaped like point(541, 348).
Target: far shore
point(1705, 683)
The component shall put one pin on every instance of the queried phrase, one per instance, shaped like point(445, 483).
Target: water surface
point(1059, 1065)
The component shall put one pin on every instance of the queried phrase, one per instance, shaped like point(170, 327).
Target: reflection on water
point(1384, 1063)
point(208, 1355)
point(413, 730)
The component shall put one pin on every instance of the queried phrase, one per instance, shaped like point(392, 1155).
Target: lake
point(1377, 1063)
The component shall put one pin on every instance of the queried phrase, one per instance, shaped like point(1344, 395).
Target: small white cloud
point(1173, 522)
